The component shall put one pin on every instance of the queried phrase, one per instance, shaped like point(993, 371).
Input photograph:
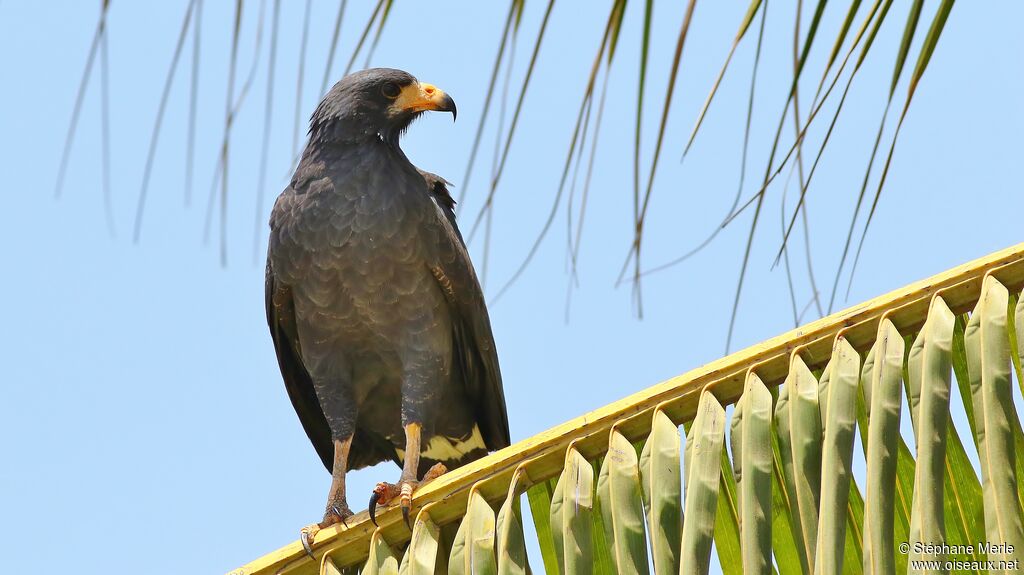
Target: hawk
point(378, 320)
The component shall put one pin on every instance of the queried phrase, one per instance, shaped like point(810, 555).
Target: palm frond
point(831, 68)
point(108, 200)
point(229, 118)
point(151, 155)
point(832, 125)
point(488, 97)
point(743, 156)
point(759, 196)
point(190, 140)
point(938, 24)
point(303, 43)
point(366, 33)
point(496, 177)
point(335, 36)
point(788, 489)
point(97, 38)
point(640, 207)
point(268, 115)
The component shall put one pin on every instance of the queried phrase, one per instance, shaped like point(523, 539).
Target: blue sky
point(142, 416)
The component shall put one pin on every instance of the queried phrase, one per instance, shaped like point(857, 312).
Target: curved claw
point(405, 515)
point(373, 507)
point(343, 517)
point(307, 543)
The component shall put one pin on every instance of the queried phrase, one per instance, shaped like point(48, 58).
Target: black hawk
point(377, 317)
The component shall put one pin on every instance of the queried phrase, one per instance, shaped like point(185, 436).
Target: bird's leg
point(384, 492)
point(337, 506)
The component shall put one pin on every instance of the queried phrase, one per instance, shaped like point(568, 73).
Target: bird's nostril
point(429, 91)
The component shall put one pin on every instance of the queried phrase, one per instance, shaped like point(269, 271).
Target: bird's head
point(378, 102)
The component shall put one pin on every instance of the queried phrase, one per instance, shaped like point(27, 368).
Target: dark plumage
point(375, 311)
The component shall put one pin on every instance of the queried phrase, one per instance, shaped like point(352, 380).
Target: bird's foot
point(384, 493)
point(434, 472)
point(338, 512)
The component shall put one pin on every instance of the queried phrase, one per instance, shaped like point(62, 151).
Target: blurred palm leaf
point(248, 17)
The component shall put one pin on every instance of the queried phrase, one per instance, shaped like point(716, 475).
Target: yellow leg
point(384, 492)
point(337, 505)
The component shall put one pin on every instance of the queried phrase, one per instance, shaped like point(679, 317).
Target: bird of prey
point(377, 317)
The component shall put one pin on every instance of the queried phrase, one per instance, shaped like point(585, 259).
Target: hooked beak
point(423, 97)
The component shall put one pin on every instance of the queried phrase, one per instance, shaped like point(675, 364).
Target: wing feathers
point(477, 359)
point(281, 319)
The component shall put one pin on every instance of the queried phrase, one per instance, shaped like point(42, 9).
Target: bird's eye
point(390, 90)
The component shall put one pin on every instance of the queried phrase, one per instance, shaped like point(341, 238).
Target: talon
point(373, 507)
point(306, 537)
point(385, 493)
point(405, 516)
point(342, 513)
